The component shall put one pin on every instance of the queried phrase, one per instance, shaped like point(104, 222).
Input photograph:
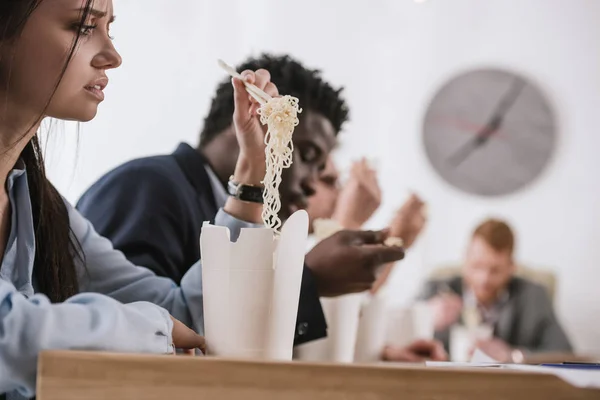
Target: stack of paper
point(582, 378)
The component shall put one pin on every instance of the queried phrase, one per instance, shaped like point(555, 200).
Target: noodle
point(394, 241)
point(280, 114)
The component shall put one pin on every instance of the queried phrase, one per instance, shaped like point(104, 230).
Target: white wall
point(391, 55)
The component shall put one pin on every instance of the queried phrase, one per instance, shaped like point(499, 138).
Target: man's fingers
point(186, 338)
point(439, 353)
point(421, 345)
point(262, 78)
point(400, 354)
point(433, 349)
point(376, 255)
point(241, 100)
point(365, 284)
point(363, 237)
point(271, 89)
point(249, 76)
point(191, 340)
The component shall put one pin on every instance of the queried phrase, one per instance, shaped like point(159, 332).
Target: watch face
point(489, 132)
point(253, 194)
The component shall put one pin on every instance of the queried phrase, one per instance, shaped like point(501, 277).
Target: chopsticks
point(254, 91)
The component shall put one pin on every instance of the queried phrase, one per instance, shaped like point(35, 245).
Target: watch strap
point(242, 192)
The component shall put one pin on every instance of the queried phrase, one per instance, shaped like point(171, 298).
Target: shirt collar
point(470, 300)
point(15, 174)
point(217, 187)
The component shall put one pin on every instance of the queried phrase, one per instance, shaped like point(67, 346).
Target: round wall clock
point(489, 132)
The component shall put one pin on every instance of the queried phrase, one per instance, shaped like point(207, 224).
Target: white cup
point(342, 315)
point(462, 340)
point(408, 324)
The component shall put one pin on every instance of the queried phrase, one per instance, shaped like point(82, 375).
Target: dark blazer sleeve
point(549, 333)
point(142, 213)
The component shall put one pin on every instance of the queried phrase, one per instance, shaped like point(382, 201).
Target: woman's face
point(31, 66)
point(322, 203)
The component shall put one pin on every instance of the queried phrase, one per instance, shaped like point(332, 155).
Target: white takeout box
point(342, 315)
point(251, 289)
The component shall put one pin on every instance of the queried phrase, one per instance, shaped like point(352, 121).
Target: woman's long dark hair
point(56, 248)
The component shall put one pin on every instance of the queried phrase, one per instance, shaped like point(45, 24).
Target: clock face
point(489, 132)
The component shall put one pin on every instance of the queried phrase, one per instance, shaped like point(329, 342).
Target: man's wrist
point(250, 171)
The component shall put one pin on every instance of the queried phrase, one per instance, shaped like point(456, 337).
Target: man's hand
point(347, 261)
point(446, 310)
point(418, 351)
point(186, 339)
point(409, 221)
point(360, 197)
point(251, 164)
point(496, 349)
point(250, 133)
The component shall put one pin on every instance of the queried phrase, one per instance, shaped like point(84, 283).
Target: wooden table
point(79, 375)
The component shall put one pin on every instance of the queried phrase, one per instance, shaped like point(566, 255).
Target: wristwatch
point(242, 192)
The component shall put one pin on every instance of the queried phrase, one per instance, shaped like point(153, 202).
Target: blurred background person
point(487, 292)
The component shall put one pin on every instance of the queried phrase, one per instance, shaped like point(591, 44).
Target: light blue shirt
point(121, 308)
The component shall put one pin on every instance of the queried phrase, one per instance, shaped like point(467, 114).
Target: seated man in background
point(519, 311)
point(351, 206)
point(153, 208)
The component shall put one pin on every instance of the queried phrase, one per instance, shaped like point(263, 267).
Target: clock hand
point(508, 100)
point(491, 127)
point(465, 150)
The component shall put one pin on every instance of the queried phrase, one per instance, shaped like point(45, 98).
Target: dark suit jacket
point(527, 321)
point(152, 209)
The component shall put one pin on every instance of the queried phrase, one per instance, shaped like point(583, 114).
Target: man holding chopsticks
point(176, 193)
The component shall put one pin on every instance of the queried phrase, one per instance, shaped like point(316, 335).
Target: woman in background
point(54, 55)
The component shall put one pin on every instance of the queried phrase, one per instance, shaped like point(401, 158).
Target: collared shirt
point(491, 314)
point(99, 318)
